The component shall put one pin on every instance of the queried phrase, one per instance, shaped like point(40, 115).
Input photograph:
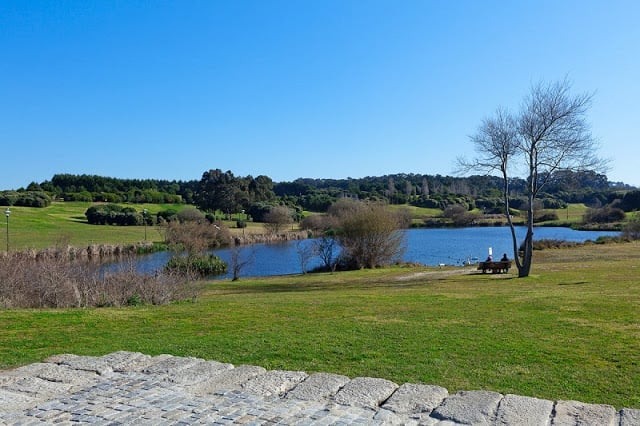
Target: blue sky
point(288, 89)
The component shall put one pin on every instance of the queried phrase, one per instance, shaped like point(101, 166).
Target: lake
point(449, 246)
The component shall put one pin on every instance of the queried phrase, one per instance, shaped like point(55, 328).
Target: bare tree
point(239, 261)
point(305, 253)
point(549, 135)
point(425, 187)
point(371, 237)
point(459, 214)
point(326, 248)
point(277, 218)
point(195, 237)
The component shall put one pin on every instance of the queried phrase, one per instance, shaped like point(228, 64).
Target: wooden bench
point(501, 267)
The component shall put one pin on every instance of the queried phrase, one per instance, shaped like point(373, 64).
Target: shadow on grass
point(336, 282)
point(575, 283)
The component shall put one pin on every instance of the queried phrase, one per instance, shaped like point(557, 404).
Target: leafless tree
point(460, 215)
point(409, 189)
point(305, 253)
point(239, 261)
point(549, 135)
point(195, 237)
point(326, 248)
point(277, 218)
point(425, 187)
point(371, 237)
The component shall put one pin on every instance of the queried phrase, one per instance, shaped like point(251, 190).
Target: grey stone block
point(14, 401)
point(579, 413)
point(629, 417)
point(275, 382)
point(318, 386)
point(523, 410)
point(413, 398)
point(123, 361)
point(387, 417)
point(469, 407)
point(36, 387)
point(365, 392)
point(57, 373)
point(169, 364)
point(198, 372)
point(84, 363)
point(226, 380)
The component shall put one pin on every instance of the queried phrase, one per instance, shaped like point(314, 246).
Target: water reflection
point(426, 246)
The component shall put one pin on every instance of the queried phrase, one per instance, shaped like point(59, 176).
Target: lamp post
point(7, 213)
point(144, 219)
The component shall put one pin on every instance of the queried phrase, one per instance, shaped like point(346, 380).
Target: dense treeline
point(438, 191)
point(227, 193)
point(107, 189)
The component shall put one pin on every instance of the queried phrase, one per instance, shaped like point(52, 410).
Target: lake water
point(450, 246)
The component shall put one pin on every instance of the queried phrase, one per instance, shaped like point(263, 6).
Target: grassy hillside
point(570, 331)
point(66, 223)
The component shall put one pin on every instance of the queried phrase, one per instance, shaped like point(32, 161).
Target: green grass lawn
point(417, 212)
point(66, 223)
point(570, 331)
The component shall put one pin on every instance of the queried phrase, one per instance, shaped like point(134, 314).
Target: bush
point(459, 215)
point(258, 211)
point(167, 215)
point(277, 218)
point(605, 214)
point(195, 237)
point(24, 199)
point(62, 283)
point(630, 201)
point(545, 216)
point(190, 214)
point(113, 214)
point(369, 235)
point(631, 229)
point(202, 265)
point(84, 196)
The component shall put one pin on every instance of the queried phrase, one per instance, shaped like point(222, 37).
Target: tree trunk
point(527, 257)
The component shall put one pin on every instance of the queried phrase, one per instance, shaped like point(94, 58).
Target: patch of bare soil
point(437, 273)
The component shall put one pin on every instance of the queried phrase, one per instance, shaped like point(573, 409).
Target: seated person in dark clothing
point(504, 258)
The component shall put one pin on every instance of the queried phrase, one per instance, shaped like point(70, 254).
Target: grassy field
point(65, 223)
point(569, 331)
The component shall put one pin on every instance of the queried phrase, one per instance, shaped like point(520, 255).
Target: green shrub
point(113, 214)
point(134, 300)
point(203, 265)
point(24, 198)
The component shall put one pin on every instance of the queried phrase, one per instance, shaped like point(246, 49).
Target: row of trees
point(218, 190)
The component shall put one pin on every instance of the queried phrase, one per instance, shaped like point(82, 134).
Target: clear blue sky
point(331, 88)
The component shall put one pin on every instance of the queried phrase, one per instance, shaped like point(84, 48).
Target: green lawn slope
point(569, 331)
